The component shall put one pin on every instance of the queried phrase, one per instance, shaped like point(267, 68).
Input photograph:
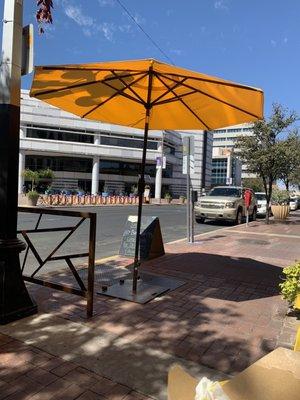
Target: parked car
point(262, 204)
point(294, 203)
point(225, 203)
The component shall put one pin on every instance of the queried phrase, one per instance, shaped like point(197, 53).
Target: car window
point(260, 196)
point(225, 191)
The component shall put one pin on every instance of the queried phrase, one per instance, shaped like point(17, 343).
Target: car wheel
point(239, 217)
point(254, 215)
point(200, 220)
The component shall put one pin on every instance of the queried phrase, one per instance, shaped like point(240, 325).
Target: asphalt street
point(111, 222)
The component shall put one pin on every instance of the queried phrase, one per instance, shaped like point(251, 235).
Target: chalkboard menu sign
point(151, 243)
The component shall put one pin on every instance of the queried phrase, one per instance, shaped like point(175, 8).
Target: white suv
point(225, 203)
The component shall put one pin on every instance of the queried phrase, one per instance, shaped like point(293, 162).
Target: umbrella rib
point(77, 68)
point(156, 101)
point(130, 88)
point(217, 99)
point(179, 96)
point(236, 85)
point(186, 105)
point(77, 85)
point(119, 92)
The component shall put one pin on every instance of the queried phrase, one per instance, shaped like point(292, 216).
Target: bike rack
point(86, 292)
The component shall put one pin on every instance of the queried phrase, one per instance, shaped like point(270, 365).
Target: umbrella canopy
point(118, 93)
point(146, 94)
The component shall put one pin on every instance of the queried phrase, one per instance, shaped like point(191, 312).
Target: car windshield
point(260, 196)
point(225, 191)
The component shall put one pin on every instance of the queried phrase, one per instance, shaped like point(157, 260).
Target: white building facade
point(226, 138)
point(97, 157)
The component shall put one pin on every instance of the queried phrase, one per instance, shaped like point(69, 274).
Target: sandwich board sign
point(151, 243)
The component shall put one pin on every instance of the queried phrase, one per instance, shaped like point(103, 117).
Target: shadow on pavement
point(224, 317)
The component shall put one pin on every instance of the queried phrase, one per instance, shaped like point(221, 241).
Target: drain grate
point(106, 274)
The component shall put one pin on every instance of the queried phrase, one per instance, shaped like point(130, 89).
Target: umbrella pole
point(141, 185)
point(141, 188)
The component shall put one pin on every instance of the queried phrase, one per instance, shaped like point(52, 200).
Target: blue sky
point(253, 42)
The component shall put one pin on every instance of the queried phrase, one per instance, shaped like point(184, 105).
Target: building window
point(68, 164)
point(125, 142)
point(219, 171)
point(52, 134)
point(234, 130)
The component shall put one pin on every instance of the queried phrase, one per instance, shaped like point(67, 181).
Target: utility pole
point(15, 302)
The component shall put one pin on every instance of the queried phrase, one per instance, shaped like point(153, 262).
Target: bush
point(33, 194)
point(290, 288)
point(280, 197)
point(46, 174)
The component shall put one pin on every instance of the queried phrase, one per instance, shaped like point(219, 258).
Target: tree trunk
point(287, 185)
point(269, 196)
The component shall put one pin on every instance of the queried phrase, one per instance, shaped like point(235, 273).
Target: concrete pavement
point(226, 315)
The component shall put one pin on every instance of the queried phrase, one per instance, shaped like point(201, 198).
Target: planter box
point(280, 211)
point(32, 202)
point(297, 303)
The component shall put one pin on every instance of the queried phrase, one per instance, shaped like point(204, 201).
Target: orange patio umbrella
point(147, 94)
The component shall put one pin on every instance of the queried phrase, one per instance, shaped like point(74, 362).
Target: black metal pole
point(15, 302)
point(141, 185)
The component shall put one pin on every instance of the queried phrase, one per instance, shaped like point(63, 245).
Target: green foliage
point(280, 196)
point(46, 174)
point(254, 183)
point(36, 176)
point(290, 158)
point(264, 152)
point(290, 288)
point(32, 176)
point(168, 196)
point(33, 194)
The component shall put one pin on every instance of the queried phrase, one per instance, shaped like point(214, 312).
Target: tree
point(32, 176)
point(263, 151)
point(255, 184)
point(290, 159)
point(295, 178)
point(36, 176)
point(44, 14)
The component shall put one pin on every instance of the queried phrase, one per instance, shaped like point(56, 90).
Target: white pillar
point(158, 176)
point(21, 163)
point(21, 169)
point(229, 170)
point(95, 171)
point(95, 175)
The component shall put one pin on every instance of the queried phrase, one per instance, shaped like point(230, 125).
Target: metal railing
point(83, 291)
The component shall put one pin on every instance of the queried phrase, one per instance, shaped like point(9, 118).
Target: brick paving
point(28, 373)
point(226, 315)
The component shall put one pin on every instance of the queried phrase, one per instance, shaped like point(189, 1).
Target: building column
point(229, 180)
point(21, 163)
point(95, 175)
point(21, 169)
point(159, 168)
point(95, 171)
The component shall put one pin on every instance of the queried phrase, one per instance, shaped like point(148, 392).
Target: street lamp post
point(15, 302)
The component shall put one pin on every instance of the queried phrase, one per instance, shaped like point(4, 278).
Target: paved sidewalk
point(226, 315)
